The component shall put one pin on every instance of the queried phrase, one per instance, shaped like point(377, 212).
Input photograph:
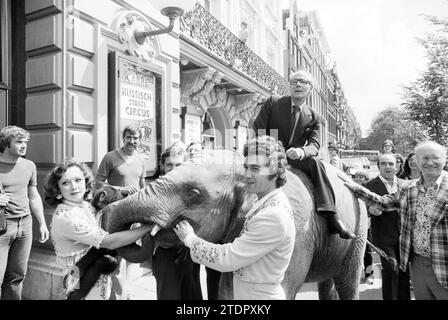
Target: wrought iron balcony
point(202, 27)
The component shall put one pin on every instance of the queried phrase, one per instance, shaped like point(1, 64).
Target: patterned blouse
point(421, 237)
point(74, 230)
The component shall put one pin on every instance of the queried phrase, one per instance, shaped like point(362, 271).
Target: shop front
point(81, 70)
point(86, 76)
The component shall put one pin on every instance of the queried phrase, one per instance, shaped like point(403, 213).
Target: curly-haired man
point(260, 256)
point(21, 198)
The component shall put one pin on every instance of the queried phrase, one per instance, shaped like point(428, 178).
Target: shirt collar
point(259, 202)
point(437, 183)
point(299, 107)
point(387, 184)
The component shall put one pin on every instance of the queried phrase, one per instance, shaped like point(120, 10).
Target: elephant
point(208, 192)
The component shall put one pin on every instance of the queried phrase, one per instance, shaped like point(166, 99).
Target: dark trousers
point(177, 276)
point(324, 195)
point(213, 278)
point(425, 282)
point(368, 261)
point(395, 285)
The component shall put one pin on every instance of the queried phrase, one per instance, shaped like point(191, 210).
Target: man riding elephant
point(211, 194)
point(298, 128)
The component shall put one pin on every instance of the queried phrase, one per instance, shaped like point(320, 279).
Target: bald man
point(297, 126)
point(386, 232)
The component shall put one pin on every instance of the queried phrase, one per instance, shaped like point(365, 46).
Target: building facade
point(76, 74)
point(226, 72)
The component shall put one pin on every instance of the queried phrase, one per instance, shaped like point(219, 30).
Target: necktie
point(294, 115)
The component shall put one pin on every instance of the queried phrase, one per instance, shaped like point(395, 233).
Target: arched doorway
point(217, 127)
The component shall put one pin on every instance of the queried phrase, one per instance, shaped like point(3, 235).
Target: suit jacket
point(262, 252)
point(276, 114)
point(405, 200)
point(385, 228)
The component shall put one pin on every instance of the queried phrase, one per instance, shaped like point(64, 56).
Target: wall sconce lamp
point(175, 9)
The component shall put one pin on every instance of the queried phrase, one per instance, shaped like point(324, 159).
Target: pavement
point(143, 285)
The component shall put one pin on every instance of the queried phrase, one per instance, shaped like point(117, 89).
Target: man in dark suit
point(386, 231)
point(297, 126)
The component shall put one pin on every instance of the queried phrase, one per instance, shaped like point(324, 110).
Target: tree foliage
point(393, 123)
point(426, 99)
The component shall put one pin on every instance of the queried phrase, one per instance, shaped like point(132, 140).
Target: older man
point(422, 205)
point(297, 126)
point(385, 230)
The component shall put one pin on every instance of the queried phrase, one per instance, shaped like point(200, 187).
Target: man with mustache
point(298, 127)
point(124, 169)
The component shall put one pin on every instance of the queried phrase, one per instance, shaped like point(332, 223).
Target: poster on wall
point(193, 129)
point(136, 103)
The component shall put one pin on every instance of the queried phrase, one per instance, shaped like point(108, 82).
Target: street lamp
point(174, 10)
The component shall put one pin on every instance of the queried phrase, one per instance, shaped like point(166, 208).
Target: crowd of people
point(409, 222)
point(406, 204)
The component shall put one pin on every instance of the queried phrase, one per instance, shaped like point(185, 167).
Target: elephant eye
point(195, 192)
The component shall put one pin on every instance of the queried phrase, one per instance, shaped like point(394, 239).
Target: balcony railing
point(202, 27)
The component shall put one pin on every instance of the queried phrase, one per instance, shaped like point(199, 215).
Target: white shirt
point(390, 188)
point(262, 252)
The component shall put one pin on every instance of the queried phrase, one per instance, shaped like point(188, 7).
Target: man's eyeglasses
point(299, 81)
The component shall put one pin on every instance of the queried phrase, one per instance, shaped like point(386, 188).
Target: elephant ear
point(244, 201)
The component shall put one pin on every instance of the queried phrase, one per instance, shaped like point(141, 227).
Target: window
point(207, 5)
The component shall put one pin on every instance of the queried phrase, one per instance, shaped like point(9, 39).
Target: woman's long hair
point(406, 168)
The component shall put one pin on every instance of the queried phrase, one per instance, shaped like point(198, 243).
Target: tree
point(426, 99)
point(393, 123)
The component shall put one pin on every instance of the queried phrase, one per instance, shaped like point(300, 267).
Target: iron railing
point(202, 27)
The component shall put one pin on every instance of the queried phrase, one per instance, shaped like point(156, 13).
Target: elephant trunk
point(142, 207)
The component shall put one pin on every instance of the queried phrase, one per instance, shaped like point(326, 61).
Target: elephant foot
point(339, 227)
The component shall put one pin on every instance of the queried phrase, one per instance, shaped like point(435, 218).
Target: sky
point(374, 44)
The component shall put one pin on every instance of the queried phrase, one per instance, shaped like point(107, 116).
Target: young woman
point(75, 229)
point(410, 169)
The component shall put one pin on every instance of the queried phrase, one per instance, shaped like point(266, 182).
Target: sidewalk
point(143, 285)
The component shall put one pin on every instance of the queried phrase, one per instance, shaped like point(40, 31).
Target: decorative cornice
point(208, 87)
point(221, 98)
point(247, 107)
point(205, 30)
point(192, 81)
point(125, 23)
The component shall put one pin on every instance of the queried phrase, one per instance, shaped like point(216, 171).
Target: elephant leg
point(295, 275)
point(327, 290)
point(347, 282)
